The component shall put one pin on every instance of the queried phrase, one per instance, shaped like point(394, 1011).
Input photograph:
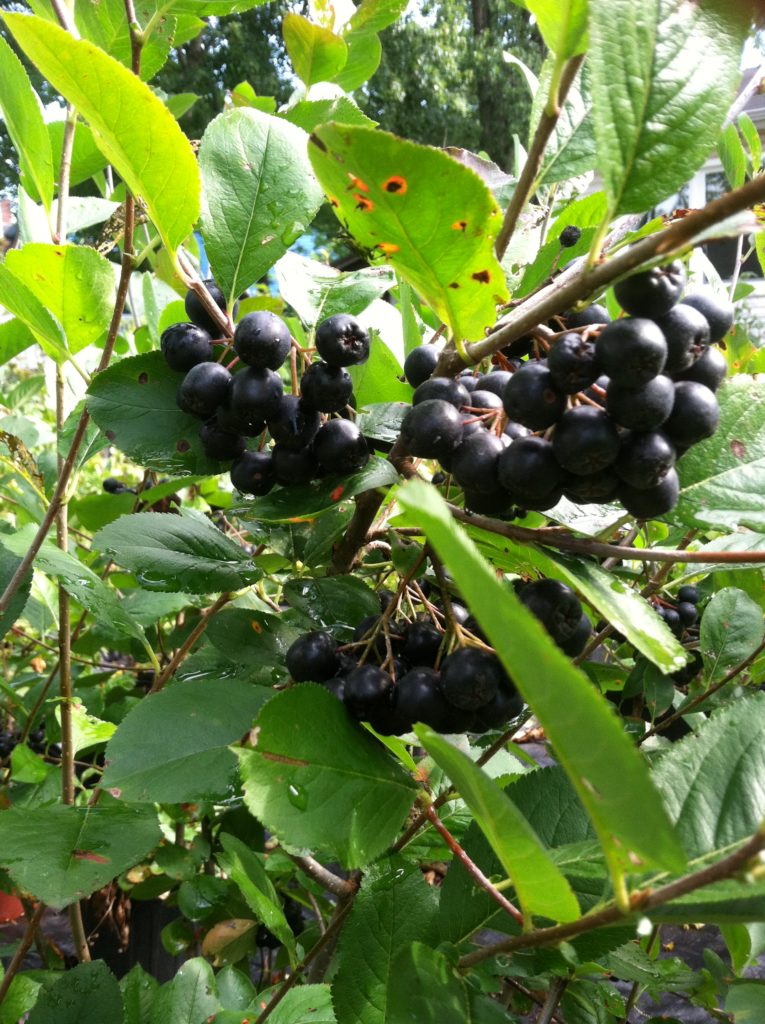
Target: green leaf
point(607, 772)
point(61, 854)
point(139, 991)
point(191, 996)
point(28, 767)
point(375, 15)
point(657, 108)
point(24, 123)
point(730, 902)
point(540, 887)
point(393, 908)
point(298, 504)
point(86, 211)
point(19, 300)
point(73, 282)
point(379, 378)
point(308, 114)
point(174, 746)
point(732, 628)
point(88, 994)
point(15, 337)
point(133, 402)
point(426, 988)
point(563, 24)
point(732, 155)
point(317, 291)
point(87, 158)
point(347, 797)
point(630, 614)
point(247, 870)
point(260, 194)
point(82, 583)
point(364, 56)
point(753, 140)
point(9, 563)
point(432, 217)
point(746, 1001)
point(317, 54)
point(177, 552)
point(305, 1004)
point(723, 478)
point(255, 640)
point(706, 779)
point(335, 603)
point(133, 127)
point(87, 729)
point(103, 22)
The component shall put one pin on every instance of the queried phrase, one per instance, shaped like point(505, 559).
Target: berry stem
point(472, 869)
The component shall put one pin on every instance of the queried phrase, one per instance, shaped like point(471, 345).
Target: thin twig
point(550, 1005)
point(472, 869)
point(22, 950)
point(339, 887)
point(188, 643)
point(640, 901)
point(527, 183)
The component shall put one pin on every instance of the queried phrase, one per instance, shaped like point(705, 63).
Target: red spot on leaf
point(183, 445)
point(338, 492)
point(459, 225)
point(396, 185)
point(387, 247)
point(454, 285)
point(482, 276)
point(143, 378)
point(362, 203)
point(96, 858)
point(738, 448)
point(256, 626)
point(333, 201)
point(357, 183)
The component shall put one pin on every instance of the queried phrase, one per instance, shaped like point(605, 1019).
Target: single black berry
point(185, 345)
point(340, 447)
point(197, 313)
point(695, 414)
point(485, 400)
point(631, 351)
point(645, 459)
point(254, 473)
point(293, 425)
point(420, 363)
point(367, 690)
point(709, 369)
point(594, 487)
point(419, 698)
point(203, 389)
point(422, 642)
point(689, 594)
point(256, 395)
point(528, 468)
point(468, 380)
point(113, 486)
point(342, 341)
point(585, 440)
point(673, 620)
point(326, 388)
point(652, 501)
point(220, 444)
point(444, 389)
point(432, 429)
point(651, 293)
point(496, 382)
point(470, 678)
point(262, 340)
point(685, 331)
point(586, 317)
point(531, 397)
point(515, 430)
point(474, 463)
point(555, 605)
point(569, 236)
point(688, 613)
point(641, 408)
point(717, 310)
point(572, 362)
point(292, 467)
point(577, 642)
point(312, 657)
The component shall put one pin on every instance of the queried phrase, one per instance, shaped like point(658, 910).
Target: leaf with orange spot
point(418, 200)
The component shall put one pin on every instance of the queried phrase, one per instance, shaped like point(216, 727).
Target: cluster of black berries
point(600, 413)
point(312, 437)
point(11, 738)
point(398, 672)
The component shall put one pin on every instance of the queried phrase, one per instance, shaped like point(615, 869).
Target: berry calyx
point(342, 341)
